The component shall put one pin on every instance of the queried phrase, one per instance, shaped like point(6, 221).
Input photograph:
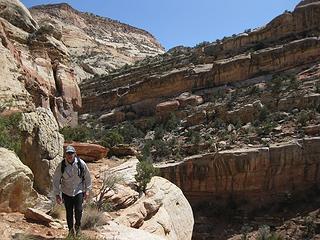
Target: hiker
point(72, 179)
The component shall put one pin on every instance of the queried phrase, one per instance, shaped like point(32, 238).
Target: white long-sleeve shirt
point(69, 182)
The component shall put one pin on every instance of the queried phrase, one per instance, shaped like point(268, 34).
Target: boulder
point(121, 150)
point(122, 196)
point(42, 146)
point(163, 210)
point(38, 216)
point(186, 99)
point(16, 181)
point(89, 152)
point(165, 108)
point(112, 117)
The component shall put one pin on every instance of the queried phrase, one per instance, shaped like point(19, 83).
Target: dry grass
point(58, 211)
point(92, 218)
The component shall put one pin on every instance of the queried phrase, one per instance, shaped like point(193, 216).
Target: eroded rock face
point(97, 45)
point(42, 147)
point(287, 42)
point(35, 68)
point(16, 183)
point(258, 175)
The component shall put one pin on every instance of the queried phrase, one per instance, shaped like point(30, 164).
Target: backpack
point(80, 168)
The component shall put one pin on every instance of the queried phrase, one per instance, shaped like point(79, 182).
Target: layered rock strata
point(255, 176)
point(97, 45)
point(151, 90)
point(34, 66)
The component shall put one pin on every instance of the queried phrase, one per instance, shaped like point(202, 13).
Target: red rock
point(186, 99)
point(165, 108)
point(89, 152)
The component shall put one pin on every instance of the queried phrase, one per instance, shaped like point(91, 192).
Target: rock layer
point(257, 176)
point(97, 45)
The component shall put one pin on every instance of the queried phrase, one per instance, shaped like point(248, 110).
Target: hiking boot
point(71, 233)
point(78, 230)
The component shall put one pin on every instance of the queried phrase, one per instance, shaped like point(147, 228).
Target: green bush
point(161, 148)
point(303, 117)
point(158, 132)
point(317, 86)
point(10, 134)
point(264, 233)
point(145, 171)
point(263, 114)
point(77, 134)
point(129, 132)
point(112, 138)
point(172, 122)
point(276, 84)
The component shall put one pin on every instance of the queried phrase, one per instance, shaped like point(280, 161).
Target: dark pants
point(73, 203)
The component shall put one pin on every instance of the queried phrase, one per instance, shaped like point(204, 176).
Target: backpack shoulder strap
point(63, 166)
point(81, 169)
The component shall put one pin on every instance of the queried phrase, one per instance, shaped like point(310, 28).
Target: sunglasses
point(69, 153)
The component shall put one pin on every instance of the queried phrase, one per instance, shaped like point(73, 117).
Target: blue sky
point(184, 22)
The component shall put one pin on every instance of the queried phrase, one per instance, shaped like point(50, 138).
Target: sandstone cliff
point(35, 66)
point(97, 45)
point(288, 41)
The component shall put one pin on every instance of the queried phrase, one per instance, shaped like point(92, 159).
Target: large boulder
point(163, 210)
point(17, 14)
point(89, 152)
point(42, 147)
point(16, 181)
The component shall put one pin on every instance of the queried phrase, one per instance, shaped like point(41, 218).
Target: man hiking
point(72, 179)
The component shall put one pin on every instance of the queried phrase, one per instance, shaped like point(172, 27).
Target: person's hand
point(58, 199)
point(85, 195)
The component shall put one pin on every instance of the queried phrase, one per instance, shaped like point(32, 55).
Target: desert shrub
point(158, 132)
point(202, 44)
point(264, 233)
point(265, 128)
point(309, 223)
point(263, 114)
point(57, 211)
point(145, 171)
point(303, 117)
point(218, 123)
point(293, 82)
point(276, 84)
point(193, 137)
point(112, 138)
point(92, 217)
point(10, 134)
point(317, 86)
point(78, 134)
point(219, 94)
point(245, 230)
point(129, 132)
point(253, 90)
point(161, 148)
point(171, 123)
point(109, 183)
